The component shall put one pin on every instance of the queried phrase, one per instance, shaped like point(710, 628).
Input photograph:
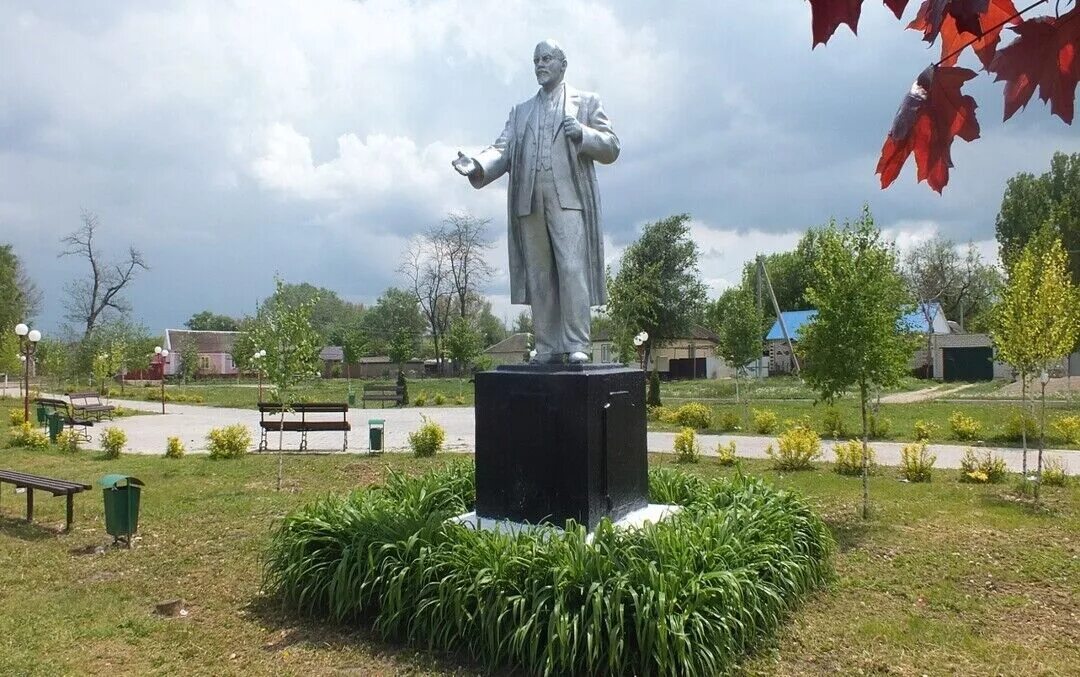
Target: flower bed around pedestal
point(689, 595)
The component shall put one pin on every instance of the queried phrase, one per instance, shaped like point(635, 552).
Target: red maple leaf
point(931, 115)
point(962, 21)
point(827, 15)
point(1045, 54)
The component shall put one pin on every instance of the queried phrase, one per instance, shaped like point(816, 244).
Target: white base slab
point(654, 513)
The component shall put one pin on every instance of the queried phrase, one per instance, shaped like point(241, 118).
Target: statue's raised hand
point(465, 165)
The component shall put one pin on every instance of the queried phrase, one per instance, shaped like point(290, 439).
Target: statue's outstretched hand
point(465, 165)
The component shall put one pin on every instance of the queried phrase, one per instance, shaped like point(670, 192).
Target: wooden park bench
point(54, 486)
point(270, 421)
point(78, 423)
point(89, 405)
point(373, 392)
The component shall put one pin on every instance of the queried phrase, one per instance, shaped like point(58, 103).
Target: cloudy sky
point(232, 140)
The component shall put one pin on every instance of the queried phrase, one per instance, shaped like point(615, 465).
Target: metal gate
point(968, 364)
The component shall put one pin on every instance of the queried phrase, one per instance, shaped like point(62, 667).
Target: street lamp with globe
point(639, 344)
point(164, 355)
point(28, 339)
point(256, 363)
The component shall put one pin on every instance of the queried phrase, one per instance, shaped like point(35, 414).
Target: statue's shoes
point(546, 358)
point(578, 358)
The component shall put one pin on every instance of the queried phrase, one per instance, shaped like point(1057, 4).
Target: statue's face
point(548, 64)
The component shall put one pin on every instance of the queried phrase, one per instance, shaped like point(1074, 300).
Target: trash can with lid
point(122, 493)
point(375, 434)
point(56, 425)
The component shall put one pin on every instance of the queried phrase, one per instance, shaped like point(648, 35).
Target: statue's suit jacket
point(515, 152)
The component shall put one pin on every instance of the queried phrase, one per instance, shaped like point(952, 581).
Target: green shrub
point(692, 594)
point(694, 415)
point(879, 426)
point(832, 424)
point(1054, 473)
point(439, 399)
point(729, 421)
point(428, 439)
point(403, 383)
point(231, 441)
point(686, 446)
point(849, 457)
point(653, 396)
point(1068, 427)
point(725, 453)
point(985, 470)
point(964, 427)
point(68, 440)
point(15, 418)
point(29, 437)
point(113, 441)
point(174, 448)
point(924, 430)
point(1017, 424)
point(765, 421)
point(798, 446)
point(916, 462)
point(421, 399)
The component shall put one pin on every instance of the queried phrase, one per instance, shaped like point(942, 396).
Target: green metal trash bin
point(352, 398)
point(56, 425)
point(122, 493)
point(42, 416)
point(375, 434)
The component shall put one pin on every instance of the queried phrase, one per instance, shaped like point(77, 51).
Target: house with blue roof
point(927, 316)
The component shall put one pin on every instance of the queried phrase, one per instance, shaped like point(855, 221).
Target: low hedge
point(689, 595)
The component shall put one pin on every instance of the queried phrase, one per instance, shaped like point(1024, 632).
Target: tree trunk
point(1023, 418)
point(1042, 441)
point(865, 463)
point(280, 444)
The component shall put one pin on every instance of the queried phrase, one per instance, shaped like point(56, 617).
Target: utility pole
point(779, 316)
point(760, 310)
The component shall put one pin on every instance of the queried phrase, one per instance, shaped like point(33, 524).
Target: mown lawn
point(993, 417)
point(772, 388)
point(947, 578)
point(245, 395)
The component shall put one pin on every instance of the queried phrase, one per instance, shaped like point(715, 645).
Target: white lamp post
point(256, 361)
point(639, 344)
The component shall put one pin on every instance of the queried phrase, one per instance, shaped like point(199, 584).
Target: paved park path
point(147, 434)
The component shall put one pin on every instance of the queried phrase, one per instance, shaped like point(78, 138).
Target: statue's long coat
point(575, 178)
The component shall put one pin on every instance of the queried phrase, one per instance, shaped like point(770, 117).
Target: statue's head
point(549, 63)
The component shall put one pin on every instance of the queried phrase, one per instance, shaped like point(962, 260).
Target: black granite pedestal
point(560, 442)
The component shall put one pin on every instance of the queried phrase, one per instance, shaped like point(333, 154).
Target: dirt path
point(922, 395)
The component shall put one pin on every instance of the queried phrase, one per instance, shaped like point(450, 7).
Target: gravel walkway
point(147, 434)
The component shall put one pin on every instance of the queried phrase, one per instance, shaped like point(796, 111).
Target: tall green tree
point(1037, 321)
point(854, 341)
point(331, 316)
point(1032, 201)
point(19, 299)
point(209, 321)
point(790, 274)
point(394, 325)
point(658, 288)
point(284, 329)
point(741, 328)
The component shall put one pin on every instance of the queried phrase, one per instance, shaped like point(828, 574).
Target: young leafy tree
point(855, 340)
point(285, 331)
point(658, 288)
point(209, 321)
point(741, 327)
point(463, 343)
point(188, 354)
point(1037, 321)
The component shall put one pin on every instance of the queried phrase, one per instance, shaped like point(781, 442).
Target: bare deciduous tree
point(91, 298)
point(465, 244)
point(427, 271)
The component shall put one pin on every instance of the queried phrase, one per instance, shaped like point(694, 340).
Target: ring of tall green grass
point(689, 595)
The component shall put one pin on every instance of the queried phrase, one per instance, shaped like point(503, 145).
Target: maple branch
point(975, 39)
